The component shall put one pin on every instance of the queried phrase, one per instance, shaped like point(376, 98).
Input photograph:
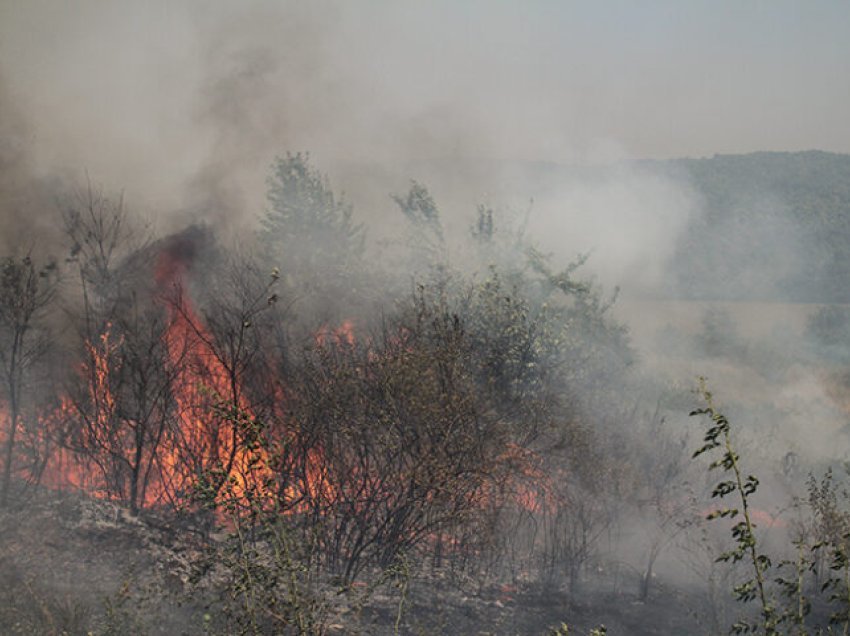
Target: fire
point(44, 455)
point(100, 354)
point(342, 335)
point(528, 487)
point(210, 420)
point(206, 438)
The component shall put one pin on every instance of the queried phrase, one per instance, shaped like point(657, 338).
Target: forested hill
point(771, 226)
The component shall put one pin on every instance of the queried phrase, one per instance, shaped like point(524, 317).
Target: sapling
point(717, 441)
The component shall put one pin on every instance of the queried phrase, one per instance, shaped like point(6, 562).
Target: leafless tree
point(26, 291)
point(123, 402)
point(223, 336)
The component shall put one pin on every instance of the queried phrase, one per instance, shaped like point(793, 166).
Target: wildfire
point(209, 422)
point(209, 419)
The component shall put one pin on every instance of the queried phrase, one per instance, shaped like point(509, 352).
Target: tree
point(25, 292)
point(309, 234)
point(420, 209)
point(102, 234)
point(123, 406)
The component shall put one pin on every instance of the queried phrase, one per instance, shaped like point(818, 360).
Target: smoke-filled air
point(405, 318)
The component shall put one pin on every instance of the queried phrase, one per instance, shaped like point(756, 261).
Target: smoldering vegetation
point(395, 386)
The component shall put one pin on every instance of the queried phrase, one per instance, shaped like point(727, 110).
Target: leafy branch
point(718, 442)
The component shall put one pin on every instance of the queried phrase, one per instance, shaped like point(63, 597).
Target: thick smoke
point(24, 196)
point(184, 106)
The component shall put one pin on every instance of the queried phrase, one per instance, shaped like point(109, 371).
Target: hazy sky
point(158, 95)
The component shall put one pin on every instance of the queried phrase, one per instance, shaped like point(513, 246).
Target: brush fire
point(469, 366)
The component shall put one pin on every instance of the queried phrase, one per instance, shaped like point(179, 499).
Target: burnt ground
point(532, 612)
point(73, 565)
point(70, 565)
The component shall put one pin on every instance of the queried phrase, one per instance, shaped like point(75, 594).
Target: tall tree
point(309, 232)
point(123, 402)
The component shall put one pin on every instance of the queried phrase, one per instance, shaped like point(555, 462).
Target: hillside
point(772, 226)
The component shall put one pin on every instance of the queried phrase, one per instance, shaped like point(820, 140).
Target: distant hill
point(774, 226)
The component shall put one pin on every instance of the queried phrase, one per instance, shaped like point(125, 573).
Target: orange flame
point(205, 439)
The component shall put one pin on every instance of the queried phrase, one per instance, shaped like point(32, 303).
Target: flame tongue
point(204, 441)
